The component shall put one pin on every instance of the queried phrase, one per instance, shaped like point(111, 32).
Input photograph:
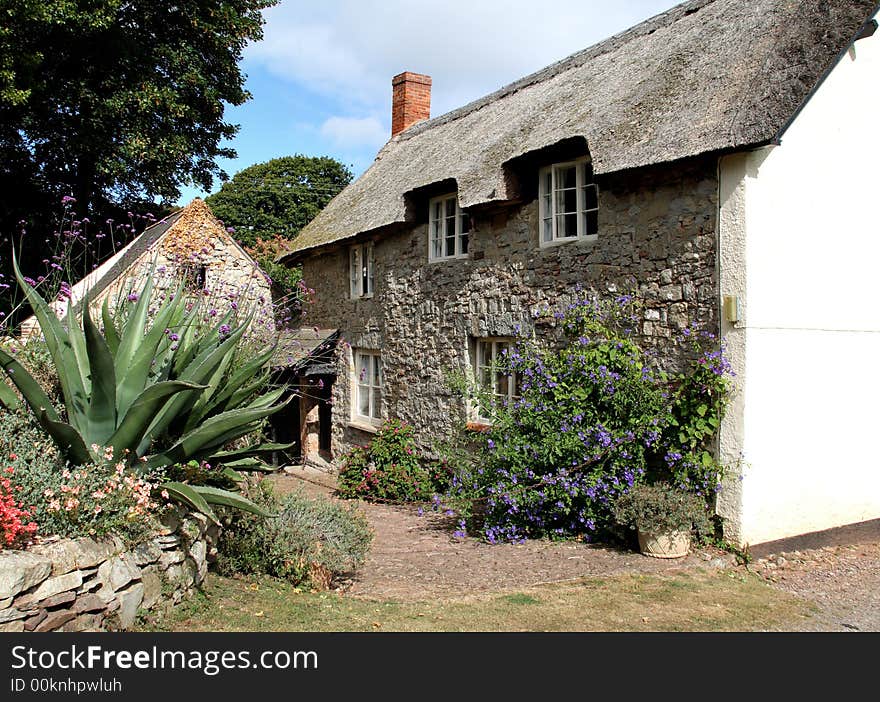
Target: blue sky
point(321, 77)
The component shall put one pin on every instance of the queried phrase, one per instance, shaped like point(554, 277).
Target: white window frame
point(371, 384)
point(547, 203)
point(438, 229)
point(513, 381)
point(361, 281)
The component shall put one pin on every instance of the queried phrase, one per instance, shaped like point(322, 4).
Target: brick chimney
point(410, 100)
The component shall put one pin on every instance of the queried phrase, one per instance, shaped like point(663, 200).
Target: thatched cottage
point(721, 157)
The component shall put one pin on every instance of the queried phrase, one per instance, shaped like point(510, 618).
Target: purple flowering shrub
point(593, 418)
point(390, 468)
point(697, 400)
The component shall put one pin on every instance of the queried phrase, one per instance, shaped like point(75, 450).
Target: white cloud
point(348, 50)
point(348, 132)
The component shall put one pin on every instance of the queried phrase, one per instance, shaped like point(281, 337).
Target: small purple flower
point(133, 297)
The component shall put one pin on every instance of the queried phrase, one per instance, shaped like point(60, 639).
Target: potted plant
point(665, 519)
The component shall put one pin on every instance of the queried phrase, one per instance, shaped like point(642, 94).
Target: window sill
point(364, 425)
point(448, 259)
point(592, 239)
point(362, 297)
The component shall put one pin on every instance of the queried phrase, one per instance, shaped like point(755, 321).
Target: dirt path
point(414, 557)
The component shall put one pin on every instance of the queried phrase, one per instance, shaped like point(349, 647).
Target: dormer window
point(361, 270)
point(448, 229)
point(569, 203)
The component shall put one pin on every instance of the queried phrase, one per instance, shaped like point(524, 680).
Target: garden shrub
point(160, 396)
point(595, 417)
point(34, 355)
point(16, 526)
point(308, 540)
point(92, 500)
point(390, 469)
point(663, 508)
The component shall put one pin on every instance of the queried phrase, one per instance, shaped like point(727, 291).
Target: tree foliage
point(113, 101)
point(278, 197)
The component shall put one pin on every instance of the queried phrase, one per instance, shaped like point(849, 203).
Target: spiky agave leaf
point(224, 427)
point(111, 334)
point(217, 496)
point(70, 375)
point(136, 376)
point(8, 398)
point(189, 496)
point(133, 429)
point(30, 389)
point(101, 415)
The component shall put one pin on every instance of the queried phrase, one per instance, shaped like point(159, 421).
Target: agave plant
point(155, 397)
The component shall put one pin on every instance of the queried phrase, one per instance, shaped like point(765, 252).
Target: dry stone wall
point(97, 585)
point(657, 238)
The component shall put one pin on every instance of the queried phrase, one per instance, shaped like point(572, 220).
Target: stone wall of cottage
point(97, 585)
point(657, 237)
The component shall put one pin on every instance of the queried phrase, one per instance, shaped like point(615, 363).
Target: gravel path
point(414, 557)
point(843, 581)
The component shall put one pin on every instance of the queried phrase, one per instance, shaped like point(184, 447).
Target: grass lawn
point(700, 600)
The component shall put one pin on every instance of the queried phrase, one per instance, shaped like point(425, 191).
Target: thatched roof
point(706, 76)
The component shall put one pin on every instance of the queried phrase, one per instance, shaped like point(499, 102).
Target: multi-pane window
point(361, 270)
point(448, 229)
point(569, 202)
point(503, 387)
point(368, 378)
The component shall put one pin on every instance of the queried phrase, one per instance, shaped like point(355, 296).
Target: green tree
point(278, 197)
point(114, 101)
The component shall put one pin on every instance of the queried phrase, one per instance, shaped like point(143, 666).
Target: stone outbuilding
point(190, 244)
point(719, 159)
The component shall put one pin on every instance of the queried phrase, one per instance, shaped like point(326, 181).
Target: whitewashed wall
point(804, 218)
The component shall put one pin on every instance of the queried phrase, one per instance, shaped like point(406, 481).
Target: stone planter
point(674, 544)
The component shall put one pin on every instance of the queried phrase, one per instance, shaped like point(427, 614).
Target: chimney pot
point(410, 101)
